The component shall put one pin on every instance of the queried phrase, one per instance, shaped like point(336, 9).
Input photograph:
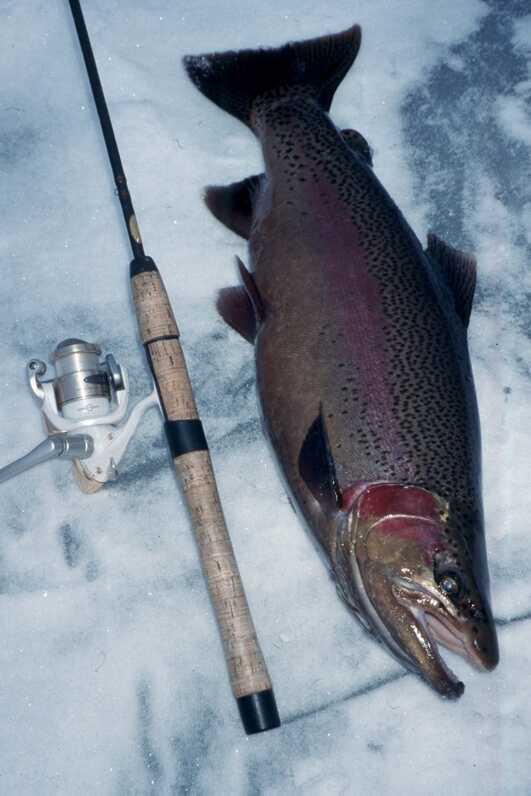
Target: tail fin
point(234, 80)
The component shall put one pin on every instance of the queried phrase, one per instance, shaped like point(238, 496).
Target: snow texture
point(113, 680)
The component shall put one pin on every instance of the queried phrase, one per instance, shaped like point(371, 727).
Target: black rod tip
point(259, 712)
point(140, 265)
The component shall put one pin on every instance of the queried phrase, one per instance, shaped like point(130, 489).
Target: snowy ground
point(112, 676)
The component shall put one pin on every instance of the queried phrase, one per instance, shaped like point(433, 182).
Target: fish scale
point(362, 362)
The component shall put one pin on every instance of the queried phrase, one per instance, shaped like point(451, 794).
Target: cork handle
point(160, 336)
point(247, 669)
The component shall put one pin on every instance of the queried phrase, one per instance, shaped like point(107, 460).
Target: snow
point(112, 669)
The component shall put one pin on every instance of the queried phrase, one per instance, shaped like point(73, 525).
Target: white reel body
point(83, 407)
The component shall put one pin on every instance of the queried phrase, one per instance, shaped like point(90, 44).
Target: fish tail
point(234, 80)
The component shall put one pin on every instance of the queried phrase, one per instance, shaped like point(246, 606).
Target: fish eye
point(450, 583)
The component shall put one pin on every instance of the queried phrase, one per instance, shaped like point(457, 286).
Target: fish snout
point(468, 629)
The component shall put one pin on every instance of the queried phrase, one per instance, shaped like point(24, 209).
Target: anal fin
point(234, 306)
point(233, 204)
point(242, 306)
point(358, 144)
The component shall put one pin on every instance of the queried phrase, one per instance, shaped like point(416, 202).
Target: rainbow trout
point(362, 361)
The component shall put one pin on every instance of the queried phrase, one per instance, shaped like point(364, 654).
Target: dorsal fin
point(316, 466)
point(358, 143)
point(233, 204)
point(459, 270)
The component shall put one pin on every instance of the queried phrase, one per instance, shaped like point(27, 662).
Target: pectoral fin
point(316, 466)
point(233, 204)
point(459, 271)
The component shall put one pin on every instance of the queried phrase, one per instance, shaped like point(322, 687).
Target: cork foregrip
point(246, 665)
point(153, 309)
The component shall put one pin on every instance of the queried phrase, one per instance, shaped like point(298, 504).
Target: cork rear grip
point(247, 669)
point(159, 333)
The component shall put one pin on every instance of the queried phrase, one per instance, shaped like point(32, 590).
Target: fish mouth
point(445, 634)
point(434, 624)
point(415, 623)
point(441, 623)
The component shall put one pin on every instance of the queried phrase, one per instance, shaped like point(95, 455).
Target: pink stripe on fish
point(349, 287)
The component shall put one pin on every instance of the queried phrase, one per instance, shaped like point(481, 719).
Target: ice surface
point(113, 680)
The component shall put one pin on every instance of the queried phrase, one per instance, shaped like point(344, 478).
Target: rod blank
point(107, 130)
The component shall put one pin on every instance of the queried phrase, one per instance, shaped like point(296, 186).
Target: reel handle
point(79, 446)
point(248, 674)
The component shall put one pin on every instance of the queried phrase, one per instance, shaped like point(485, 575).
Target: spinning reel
point(83, 407)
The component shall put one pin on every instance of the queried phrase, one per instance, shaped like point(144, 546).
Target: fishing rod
point(159, 333)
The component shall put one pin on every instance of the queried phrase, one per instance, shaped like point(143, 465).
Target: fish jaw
point(481, 650)
point(407, 624)
point(476, 643)
point(388, 547)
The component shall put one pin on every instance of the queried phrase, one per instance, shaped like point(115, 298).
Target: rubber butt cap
point(259, 712)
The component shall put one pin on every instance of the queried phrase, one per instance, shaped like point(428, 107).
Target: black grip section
point(141, 265)
point(185, 436)
point(259, 712)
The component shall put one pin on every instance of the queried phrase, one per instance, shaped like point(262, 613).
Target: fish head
point(412, 578)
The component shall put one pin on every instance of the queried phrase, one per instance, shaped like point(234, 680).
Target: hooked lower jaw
point(427, 662)
point(442, 628)
point(414, 640)
point(443, 680)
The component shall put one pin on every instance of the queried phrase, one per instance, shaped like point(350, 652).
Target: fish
point(362, 365)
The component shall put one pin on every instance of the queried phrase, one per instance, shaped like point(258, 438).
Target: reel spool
point(83, 406)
